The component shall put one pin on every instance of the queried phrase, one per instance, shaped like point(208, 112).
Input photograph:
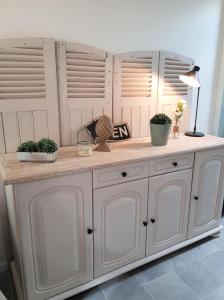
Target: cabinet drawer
point(170, 164)
point(113, 175)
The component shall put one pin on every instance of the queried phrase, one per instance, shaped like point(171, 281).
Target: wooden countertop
point(12, 171)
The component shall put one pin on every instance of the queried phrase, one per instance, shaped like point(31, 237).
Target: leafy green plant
point(44, 145)
point(47, 145)
point(161, 119)
point(29, 146)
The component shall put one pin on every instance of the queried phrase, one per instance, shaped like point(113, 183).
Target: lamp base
point(194, 134)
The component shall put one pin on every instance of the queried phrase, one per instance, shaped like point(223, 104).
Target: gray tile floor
point(193, 273)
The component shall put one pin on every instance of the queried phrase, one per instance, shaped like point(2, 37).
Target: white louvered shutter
point(171, 89)
point(28, 92)
point(135, 90)
point(85, 87)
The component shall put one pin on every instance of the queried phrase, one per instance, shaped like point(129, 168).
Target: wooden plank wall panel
point(40, 121)
point(26, 127)
point(2, 139)
point(76, 115)
point(11, 131)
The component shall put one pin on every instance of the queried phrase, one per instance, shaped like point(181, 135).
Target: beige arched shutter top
point(171, 89)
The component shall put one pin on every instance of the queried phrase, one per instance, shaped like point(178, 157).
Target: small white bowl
point(37, 156)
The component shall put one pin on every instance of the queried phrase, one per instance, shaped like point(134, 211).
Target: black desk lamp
point(191, 78)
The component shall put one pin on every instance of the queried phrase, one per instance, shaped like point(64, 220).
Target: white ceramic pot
point(37, 156)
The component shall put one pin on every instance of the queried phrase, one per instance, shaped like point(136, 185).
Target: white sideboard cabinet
point(81, 221)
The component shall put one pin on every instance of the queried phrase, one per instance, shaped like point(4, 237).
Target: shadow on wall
point(221, 124)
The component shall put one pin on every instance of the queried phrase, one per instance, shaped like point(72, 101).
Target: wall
point(186, 27)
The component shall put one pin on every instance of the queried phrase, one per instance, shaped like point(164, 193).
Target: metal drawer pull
point(124, 174)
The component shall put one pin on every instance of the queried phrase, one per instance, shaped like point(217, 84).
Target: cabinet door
point(169, 197)
point(119, 236)
point(207, 191)
point(54, 215)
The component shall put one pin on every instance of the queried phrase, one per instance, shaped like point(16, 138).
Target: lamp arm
point(196, 115)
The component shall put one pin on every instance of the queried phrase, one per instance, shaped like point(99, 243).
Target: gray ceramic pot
point(159, 134)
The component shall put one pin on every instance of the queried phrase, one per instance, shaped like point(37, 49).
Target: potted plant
point(178, 115)
point(44, 150)
point(160, 126)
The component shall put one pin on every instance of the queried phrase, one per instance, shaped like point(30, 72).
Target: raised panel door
point(54, 216)
point(207, 191)
point(169, 197)
point(119, 233)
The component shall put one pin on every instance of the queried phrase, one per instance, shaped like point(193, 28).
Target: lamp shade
point(190, 78)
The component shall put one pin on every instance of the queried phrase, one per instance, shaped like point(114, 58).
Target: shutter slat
point(84, 57)
point(21, 71)
point(86, 68)
point(20, 58)
point(22, 83)
point(78, 62)
point(133, 71)
point(20, 77)
point(19, 64)
point(4, 89)
point(85, 85)
point(136, 94)
point(85, 90)
point(131, 80)
point(85, 95)
point(136, 65)
point(22, 51)
point(138, 60)
point(87, 79)
point(17, 95)
point(80, 74)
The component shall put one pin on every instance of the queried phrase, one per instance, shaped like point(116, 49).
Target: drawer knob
point(89, 231)
point(124, 174)
point(152, 220)
point(195, 197)
point(145, 223)
point(175, 164)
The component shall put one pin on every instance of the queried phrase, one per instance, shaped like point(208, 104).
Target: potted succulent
point(44, 150)
point(160, 126)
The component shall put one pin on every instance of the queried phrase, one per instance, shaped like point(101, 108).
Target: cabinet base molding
point(117, 272)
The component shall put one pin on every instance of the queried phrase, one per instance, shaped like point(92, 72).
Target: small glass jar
point(85, 148)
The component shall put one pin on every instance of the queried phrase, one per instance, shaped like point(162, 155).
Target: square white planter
point(37, 156)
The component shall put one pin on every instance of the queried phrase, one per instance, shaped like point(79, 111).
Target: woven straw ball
point(104, 127)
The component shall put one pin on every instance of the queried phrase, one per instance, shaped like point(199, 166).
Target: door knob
point(195, 197)
point(152, 220)
point(89, 231)
point(124, 174)
point(145, 223)
point(175, 164)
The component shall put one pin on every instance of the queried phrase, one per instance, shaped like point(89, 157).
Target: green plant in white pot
point(160, 126)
